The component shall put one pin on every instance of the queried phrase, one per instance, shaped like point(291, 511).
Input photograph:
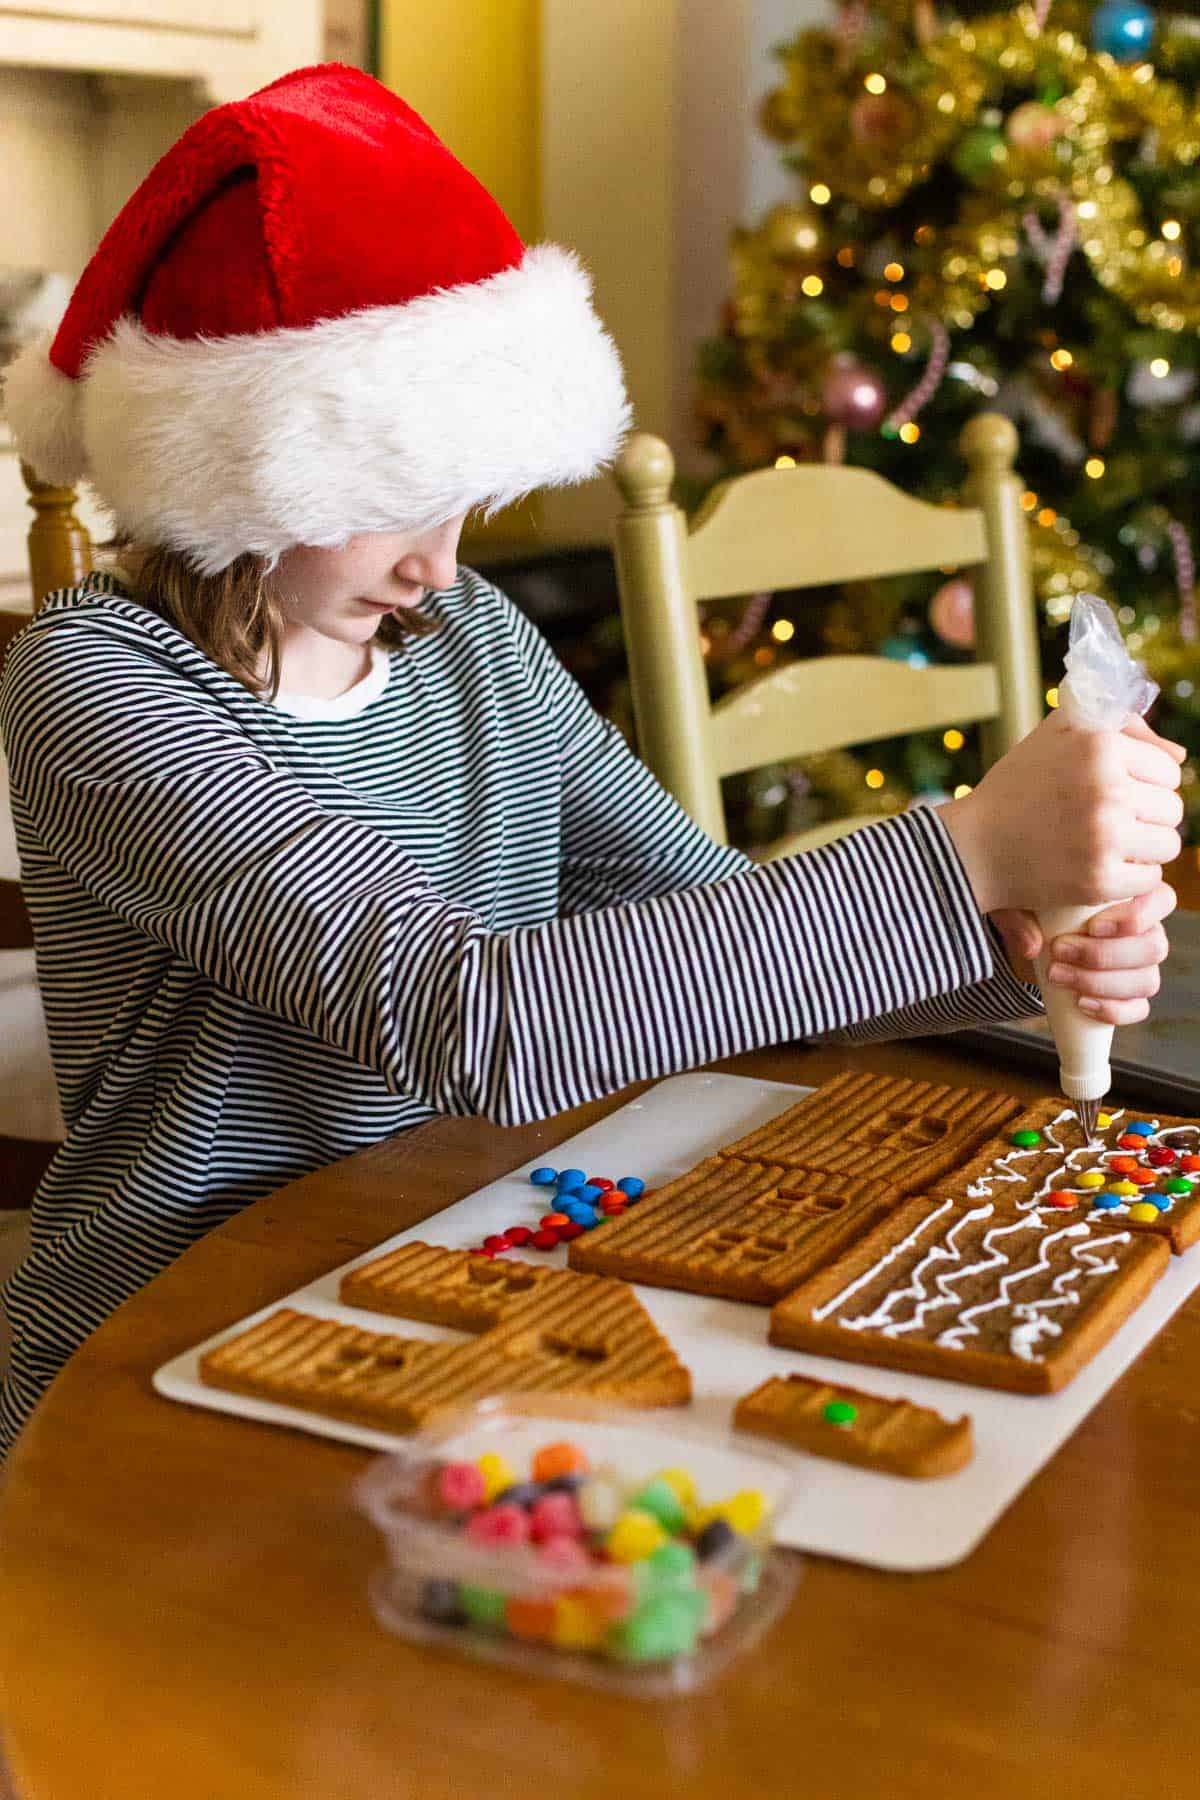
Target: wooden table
point(186, 1618)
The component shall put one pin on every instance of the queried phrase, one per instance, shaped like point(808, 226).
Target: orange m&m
point(1125, 1165)
point(1060, 1197)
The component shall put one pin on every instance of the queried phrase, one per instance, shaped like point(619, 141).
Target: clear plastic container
point(599, 1624)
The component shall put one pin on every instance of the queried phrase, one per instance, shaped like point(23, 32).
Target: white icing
point(1022, 1338)
point(889, 1256)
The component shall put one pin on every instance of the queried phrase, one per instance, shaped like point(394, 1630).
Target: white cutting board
point(883, 1520)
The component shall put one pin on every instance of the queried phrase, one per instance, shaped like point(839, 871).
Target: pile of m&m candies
point(1147, 1179)
point(581, 1202)
point(640, 1571)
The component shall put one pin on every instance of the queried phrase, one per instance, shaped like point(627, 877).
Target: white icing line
point(889, 1256)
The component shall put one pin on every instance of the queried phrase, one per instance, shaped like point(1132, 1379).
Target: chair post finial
point(60, 549)
point(645, 471)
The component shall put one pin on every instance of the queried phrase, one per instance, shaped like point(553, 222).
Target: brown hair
point(236, 617)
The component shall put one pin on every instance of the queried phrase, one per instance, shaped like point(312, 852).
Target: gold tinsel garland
point(951, 82)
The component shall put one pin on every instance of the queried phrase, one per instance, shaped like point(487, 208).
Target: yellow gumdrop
point(1093, 1178)
point(497, 1475)
point(1143, 1213)
point(636, 1534)
point(1124, 1188)
point(683, 1483)
point(578, 1626)
point(745, 1511)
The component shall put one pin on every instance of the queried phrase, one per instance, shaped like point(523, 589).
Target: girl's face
point(344, 594)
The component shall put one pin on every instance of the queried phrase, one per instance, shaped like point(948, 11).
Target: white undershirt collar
point(344, 706)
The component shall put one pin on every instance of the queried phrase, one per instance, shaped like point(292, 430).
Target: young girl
point(317, 836)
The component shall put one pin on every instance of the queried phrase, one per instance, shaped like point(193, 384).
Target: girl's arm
point(155, 802)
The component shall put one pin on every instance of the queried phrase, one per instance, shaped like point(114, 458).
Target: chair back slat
point(813, 527)
point(832, 701)
point(808, 527)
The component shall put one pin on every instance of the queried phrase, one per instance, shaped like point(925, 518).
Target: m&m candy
point(545, 1239)
point(1059, 1197)
point(1106, 1202)
point(1176, 1184)
point(543, 1177)
point(1143, 1212)
point(1139, 1128)
point(844, 1412)
point(1190, 1164)
point(1093, 1178)
point(570, 1178)
point(633, 1185)
point(1025, 1140)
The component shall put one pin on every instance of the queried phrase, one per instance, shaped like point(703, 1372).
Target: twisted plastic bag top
point(1103, 684)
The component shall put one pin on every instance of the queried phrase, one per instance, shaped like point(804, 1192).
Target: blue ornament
point(905, 650)
point(1124, 30)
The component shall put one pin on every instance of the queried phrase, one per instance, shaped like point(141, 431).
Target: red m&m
point(1160, 1156)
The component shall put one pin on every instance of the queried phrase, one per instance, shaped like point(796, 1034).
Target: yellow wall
point(471, 69)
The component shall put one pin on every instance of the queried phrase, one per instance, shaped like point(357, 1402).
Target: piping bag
point(1103, 686)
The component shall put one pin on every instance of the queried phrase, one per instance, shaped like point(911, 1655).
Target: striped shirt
point(270, 934)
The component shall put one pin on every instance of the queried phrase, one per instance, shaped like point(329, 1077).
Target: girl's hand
point(1070, 817)
point(1112, 964)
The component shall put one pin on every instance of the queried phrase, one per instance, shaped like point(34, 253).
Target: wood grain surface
point(184, 1595)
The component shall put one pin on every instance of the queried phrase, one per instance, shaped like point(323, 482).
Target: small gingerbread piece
point(848, 1425)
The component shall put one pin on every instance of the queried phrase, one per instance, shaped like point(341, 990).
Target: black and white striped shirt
point(266, 940)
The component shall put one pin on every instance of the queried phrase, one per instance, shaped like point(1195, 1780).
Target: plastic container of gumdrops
point(652, 1619)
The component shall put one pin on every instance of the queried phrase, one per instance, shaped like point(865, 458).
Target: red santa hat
point(310, 321)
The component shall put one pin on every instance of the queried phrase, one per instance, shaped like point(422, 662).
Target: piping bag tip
point(1087, 1112)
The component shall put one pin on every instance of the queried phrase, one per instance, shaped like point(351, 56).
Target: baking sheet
point(885, 1521)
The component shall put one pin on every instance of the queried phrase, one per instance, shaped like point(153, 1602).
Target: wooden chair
point(60, 553)
point(809, 527)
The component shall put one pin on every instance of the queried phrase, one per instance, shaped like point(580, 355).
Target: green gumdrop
point(483, 1606)
point(672, 1568)
point(659, 1498)
point(666, 1625)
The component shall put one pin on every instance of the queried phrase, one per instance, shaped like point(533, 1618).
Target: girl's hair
point(236, 617)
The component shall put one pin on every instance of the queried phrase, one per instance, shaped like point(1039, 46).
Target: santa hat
point(310, 321)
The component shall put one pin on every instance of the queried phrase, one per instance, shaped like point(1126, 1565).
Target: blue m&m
point(1139, 1128)
point(570, 1178)
point(543, 1177)
point(633, 1185)
point(1107, 1201)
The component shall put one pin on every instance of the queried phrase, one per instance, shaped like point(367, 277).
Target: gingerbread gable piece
point(569, 1334)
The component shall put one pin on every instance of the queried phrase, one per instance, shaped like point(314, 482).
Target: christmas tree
point(994, 209)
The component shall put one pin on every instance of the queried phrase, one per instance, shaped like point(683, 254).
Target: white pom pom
point(42, 408)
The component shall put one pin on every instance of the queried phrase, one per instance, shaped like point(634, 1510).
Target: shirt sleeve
point(624, 836)
point(150, 796)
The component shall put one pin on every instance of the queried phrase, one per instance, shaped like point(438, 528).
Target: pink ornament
point(853, 394)
point(1032, 126)
point(881, 120)
point(952, 614)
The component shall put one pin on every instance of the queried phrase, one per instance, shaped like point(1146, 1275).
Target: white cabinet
point(92, 92)
point(229, 47)
point(170, 15)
